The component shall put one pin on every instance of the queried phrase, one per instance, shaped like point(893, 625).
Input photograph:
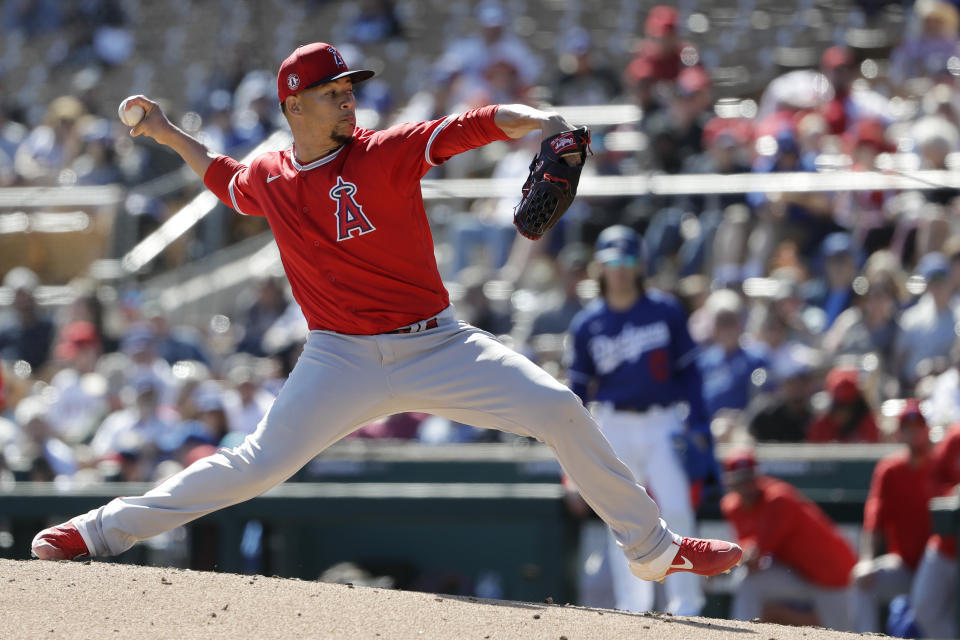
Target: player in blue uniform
point(634, 358)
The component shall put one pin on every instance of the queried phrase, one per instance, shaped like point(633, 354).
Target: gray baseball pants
point(890, 578)
point(934, 595)
point(779, 583)
point(342, 382)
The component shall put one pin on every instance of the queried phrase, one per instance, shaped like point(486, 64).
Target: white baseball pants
point(644, 441)
point(342, 382)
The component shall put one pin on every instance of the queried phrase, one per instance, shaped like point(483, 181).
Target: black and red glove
point(552, 183)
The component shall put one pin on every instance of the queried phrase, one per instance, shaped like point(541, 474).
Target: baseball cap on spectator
point(933, 265)
point(798, 360)
point(724, 302)
point(75, 336)
point(836, 244)
point(786, 141)
point(311, 65)
point(871, 133)
point(220, 100)
point(616, 243)
point(29, 409)
point(577, 41)
point(837, 56)
point(842, 385)
point(130, 445)
point(741, 464)
point(727, 132)
point(661, 21)
point(65, 109)
point(209, 402)
point(145, 383)
point(96, 130)
point(21, 278)
point(911, 411)
point(139, 338)
point(491, 14)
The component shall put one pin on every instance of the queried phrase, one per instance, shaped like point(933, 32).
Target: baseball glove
point(552, 183)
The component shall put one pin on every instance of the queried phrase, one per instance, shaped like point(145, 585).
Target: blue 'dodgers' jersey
point(638, 358)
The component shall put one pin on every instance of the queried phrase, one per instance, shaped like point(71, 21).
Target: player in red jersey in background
point(792, 552)
point(933, 594)
point(896, 517)
point(345, 207)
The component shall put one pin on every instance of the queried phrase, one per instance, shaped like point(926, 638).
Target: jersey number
point(659, 365)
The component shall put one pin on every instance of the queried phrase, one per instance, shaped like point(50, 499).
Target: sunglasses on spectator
point(624, 261)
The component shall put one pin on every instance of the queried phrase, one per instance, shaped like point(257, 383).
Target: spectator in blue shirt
point(834, 292)
point(731, 372)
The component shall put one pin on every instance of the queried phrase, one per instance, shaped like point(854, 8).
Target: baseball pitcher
point(345, 207)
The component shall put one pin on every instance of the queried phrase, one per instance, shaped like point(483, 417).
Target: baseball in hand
point(130, 114)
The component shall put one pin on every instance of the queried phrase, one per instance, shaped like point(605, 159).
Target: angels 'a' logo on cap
point(293, 81)
point(336, 58)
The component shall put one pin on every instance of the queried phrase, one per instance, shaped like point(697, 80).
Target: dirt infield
point(105, 600)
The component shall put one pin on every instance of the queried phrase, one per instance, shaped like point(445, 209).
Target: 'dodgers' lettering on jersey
point(627, 346)
point(350, 216)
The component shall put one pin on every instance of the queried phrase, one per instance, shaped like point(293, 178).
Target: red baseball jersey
point(946, 476)
point(351, 228)
point(827, 429)
point(794, 531)
point(897, 505)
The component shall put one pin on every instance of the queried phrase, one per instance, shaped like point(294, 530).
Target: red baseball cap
point(312, 65)
point(661, 20)
point(740, 466)
point(843, 384)
point(740, 460)
point(837, 57)
point(911, 411)
point(74, 336)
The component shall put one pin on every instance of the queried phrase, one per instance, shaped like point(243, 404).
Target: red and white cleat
point(705, 557)
point(62, 542)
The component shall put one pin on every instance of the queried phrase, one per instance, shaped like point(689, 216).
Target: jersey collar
point(316, 163)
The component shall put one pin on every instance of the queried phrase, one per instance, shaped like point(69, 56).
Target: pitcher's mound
point(105, 600)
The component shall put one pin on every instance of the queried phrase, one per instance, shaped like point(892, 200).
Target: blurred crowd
point(818, 314)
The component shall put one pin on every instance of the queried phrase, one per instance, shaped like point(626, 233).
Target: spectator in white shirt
point(246, 402)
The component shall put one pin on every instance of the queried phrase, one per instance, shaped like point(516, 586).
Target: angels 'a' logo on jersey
point(350, 216)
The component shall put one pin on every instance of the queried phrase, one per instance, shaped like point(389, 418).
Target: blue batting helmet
point(618, 242)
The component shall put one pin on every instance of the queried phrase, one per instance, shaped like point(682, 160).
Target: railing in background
point(894, 176)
